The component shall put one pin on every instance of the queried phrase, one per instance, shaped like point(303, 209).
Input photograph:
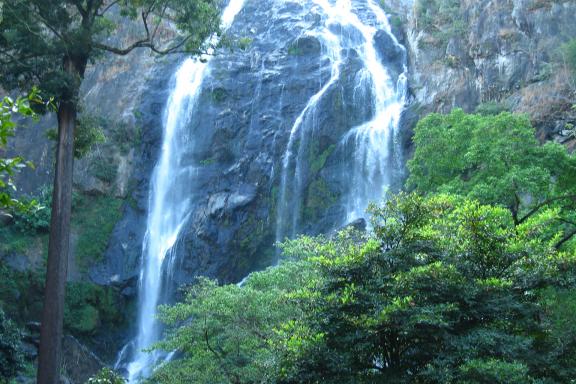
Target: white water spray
point(374, 142)
point(169, 204)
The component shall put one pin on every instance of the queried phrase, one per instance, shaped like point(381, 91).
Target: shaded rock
point(6, 218)
point(78, 362)
point(358, 225)
point(392, 55)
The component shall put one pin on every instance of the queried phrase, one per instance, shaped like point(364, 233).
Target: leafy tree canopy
point(445, 290)
point(11, 356)
point(497, 160)
point(36, 36)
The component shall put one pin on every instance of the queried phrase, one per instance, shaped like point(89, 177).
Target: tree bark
point(50, 350)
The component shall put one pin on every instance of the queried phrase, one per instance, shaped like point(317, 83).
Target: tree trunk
point(59, 244)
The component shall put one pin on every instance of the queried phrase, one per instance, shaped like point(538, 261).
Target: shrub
point(106, 376)
point(492, 108)
point(11, 356)
point(35, 218)
point(569, 51)
point(94, 228)
point(89, 305)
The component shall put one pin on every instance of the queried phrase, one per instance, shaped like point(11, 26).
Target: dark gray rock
point(5, 218)
point(78, 362)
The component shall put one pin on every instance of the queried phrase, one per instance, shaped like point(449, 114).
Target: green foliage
point(94, 218)
point(228, 339)
point(21, 293)
point(125, 136)
point(219, 95)
point(88, 306)
point(494, 371)
point(295, 50)
point(319, 161)
point(445, 290)
point(492, 108)
point(93, 228)
point(88, 133)
point(497, 160)
point(244, 43)
point(442, 19)
point(23, 107)
point(11, 355)
point(106, 376)
point(104, 169)
point(37, 35)
point(13, 241)
point(569, 51)
point(35, 218)
point(318, 198)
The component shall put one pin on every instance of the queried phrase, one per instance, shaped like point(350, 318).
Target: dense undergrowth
point(89, 308)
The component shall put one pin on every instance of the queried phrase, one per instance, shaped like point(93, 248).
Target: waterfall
point(169, 204)
point(374, 152)
point(377, 154)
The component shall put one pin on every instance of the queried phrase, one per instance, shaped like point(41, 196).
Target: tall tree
point(497, 160)
point(49, 43)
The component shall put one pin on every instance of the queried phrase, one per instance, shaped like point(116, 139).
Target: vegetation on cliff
point(468, 279)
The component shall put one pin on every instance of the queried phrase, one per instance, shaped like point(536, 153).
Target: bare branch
point(123, 51)
point(146, 43)
point(107, 8)
point(160, 18)
point(83, 12)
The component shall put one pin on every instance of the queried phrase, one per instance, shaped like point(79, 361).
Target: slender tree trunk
point(59, 244)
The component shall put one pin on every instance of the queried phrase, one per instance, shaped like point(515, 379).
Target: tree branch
point(83, 12)
point(567, 237)
point(217, 355)
point(160, 18)
point(146, 43)
point(107, 8)
point(543, 204)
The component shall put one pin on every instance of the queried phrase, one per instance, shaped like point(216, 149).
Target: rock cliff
point(496, 55)
point(481, 55)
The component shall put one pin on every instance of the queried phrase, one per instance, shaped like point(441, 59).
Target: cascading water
point(169, 204)
point(376, 148)
point(372, 145)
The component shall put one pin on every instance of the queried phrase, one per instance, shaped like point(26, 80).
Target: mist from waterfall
point(169, 206)
point(375, 154)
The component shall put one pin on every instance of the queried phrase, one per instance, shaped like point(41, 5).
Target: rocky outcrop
point(498, 54)
point(485, 52)
point(78, 362)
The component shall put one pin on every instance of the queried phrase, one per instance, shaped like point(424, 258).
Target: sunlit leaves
point(496, 160)
point(445, 290)
point(10, 109)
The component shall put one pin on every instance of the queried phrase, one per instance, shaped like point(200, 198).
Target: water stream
point(169, 206)
point(369, 151)
point(375, 152)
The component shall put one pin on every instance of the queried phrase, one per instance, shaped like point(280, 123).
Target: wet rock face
point(250, 100)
